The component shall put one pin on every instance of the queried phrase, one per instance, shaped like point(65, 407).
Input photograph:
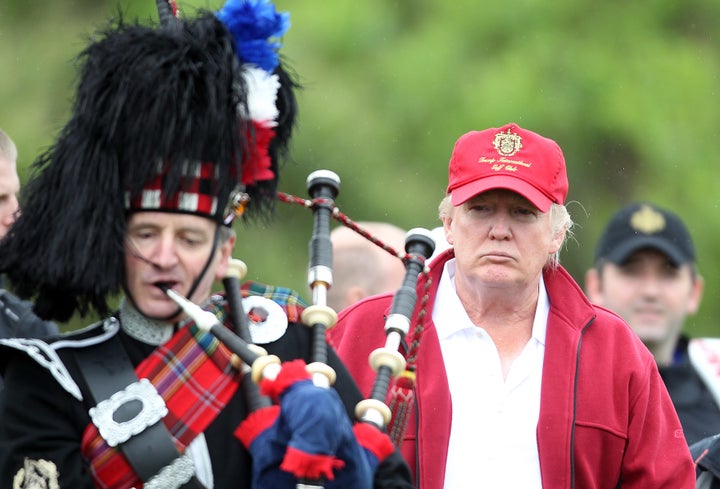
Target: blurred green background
point(629, 90)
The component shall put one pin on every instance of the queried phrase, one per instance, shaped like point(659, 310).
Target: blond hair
point(560, 222)
point(8, 150)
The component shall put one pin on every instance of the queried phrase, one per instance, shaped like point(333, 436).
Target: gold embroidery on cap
point(647, 220)
point(37, 474)
point(507, 143)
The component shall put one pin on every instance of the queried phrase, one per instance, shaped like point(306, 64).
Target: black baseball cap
point(641, 226)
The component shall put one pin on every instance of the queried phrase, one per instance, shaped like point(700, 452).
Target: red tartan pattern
point(192, 372)
point(196, 195)
point(292, 304)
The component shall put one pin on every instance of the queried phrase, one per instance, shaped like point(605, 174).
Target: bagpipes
point(303, 437)
point(388, 362)
point(298, 432)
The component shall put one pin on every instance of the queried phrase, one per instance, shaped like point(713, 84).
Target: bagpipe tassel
point(375, 442)
point(400, 400)
point(256, 423)
point(309, 466)
point(308, 436)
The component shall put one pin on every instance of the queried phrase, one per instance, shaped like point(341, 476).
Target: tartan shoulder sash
point(193, 375)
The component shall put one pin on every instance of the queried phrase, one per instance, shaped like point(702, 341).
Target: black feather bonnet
point(183, 117)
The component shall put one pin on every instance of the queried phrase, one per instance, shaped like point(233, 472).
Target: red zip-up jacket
point(606, 419)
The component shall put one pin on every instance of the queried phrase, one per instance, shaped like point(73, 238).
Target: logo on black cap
point(647, 220)
point(643, 225)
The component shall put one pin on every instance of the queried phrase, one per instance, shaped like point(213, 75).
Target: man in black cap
point(645, 271)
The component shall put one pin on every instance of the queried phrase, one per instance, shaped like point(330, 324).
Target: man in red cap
point(519, 380)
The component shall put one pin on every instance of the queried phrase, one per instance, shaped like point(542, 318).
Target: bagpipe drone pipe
point(298, 432)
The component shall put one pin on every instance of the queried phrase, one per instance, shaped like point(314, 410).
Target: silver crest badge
point(152, 410)
point(507, 143)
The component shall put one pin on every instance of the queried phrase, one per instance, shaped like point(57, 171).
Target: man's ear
point(225, 253)
point(557, 242)
point(592, 286)
point(696, 295)
point(355, 294)
point(447, 221)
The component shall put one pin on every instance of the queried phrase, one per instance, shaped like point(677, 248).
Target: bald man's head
point(361, 268)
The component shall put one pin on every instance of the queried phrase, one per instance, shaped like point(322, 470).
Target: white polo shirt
point(493, 438)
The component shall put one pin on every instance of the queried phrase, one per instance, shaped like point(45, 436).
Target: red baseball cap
point(512, 158)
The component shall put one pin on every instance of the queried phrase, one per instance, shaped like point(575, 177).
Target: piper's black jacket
point(45, 422)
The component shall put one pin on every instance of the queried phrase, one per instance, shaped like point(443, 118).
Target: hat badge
point(507, 143)
point(647, 220)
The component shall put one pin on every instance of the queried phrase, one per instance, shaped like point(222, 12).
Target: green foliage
point(629, 90)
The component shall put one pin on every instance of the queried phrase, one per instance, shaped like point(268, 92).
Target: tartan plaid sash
point(193, 373)
point(291, 302)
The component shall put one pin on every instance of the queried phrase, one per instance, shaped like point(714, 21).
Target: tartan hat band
point(197, 192)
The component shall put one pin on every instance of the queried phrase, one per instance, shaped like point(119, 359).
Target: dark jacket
point(18, 320)
point(706, 454)
point(696, 406)
point(45, 423)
